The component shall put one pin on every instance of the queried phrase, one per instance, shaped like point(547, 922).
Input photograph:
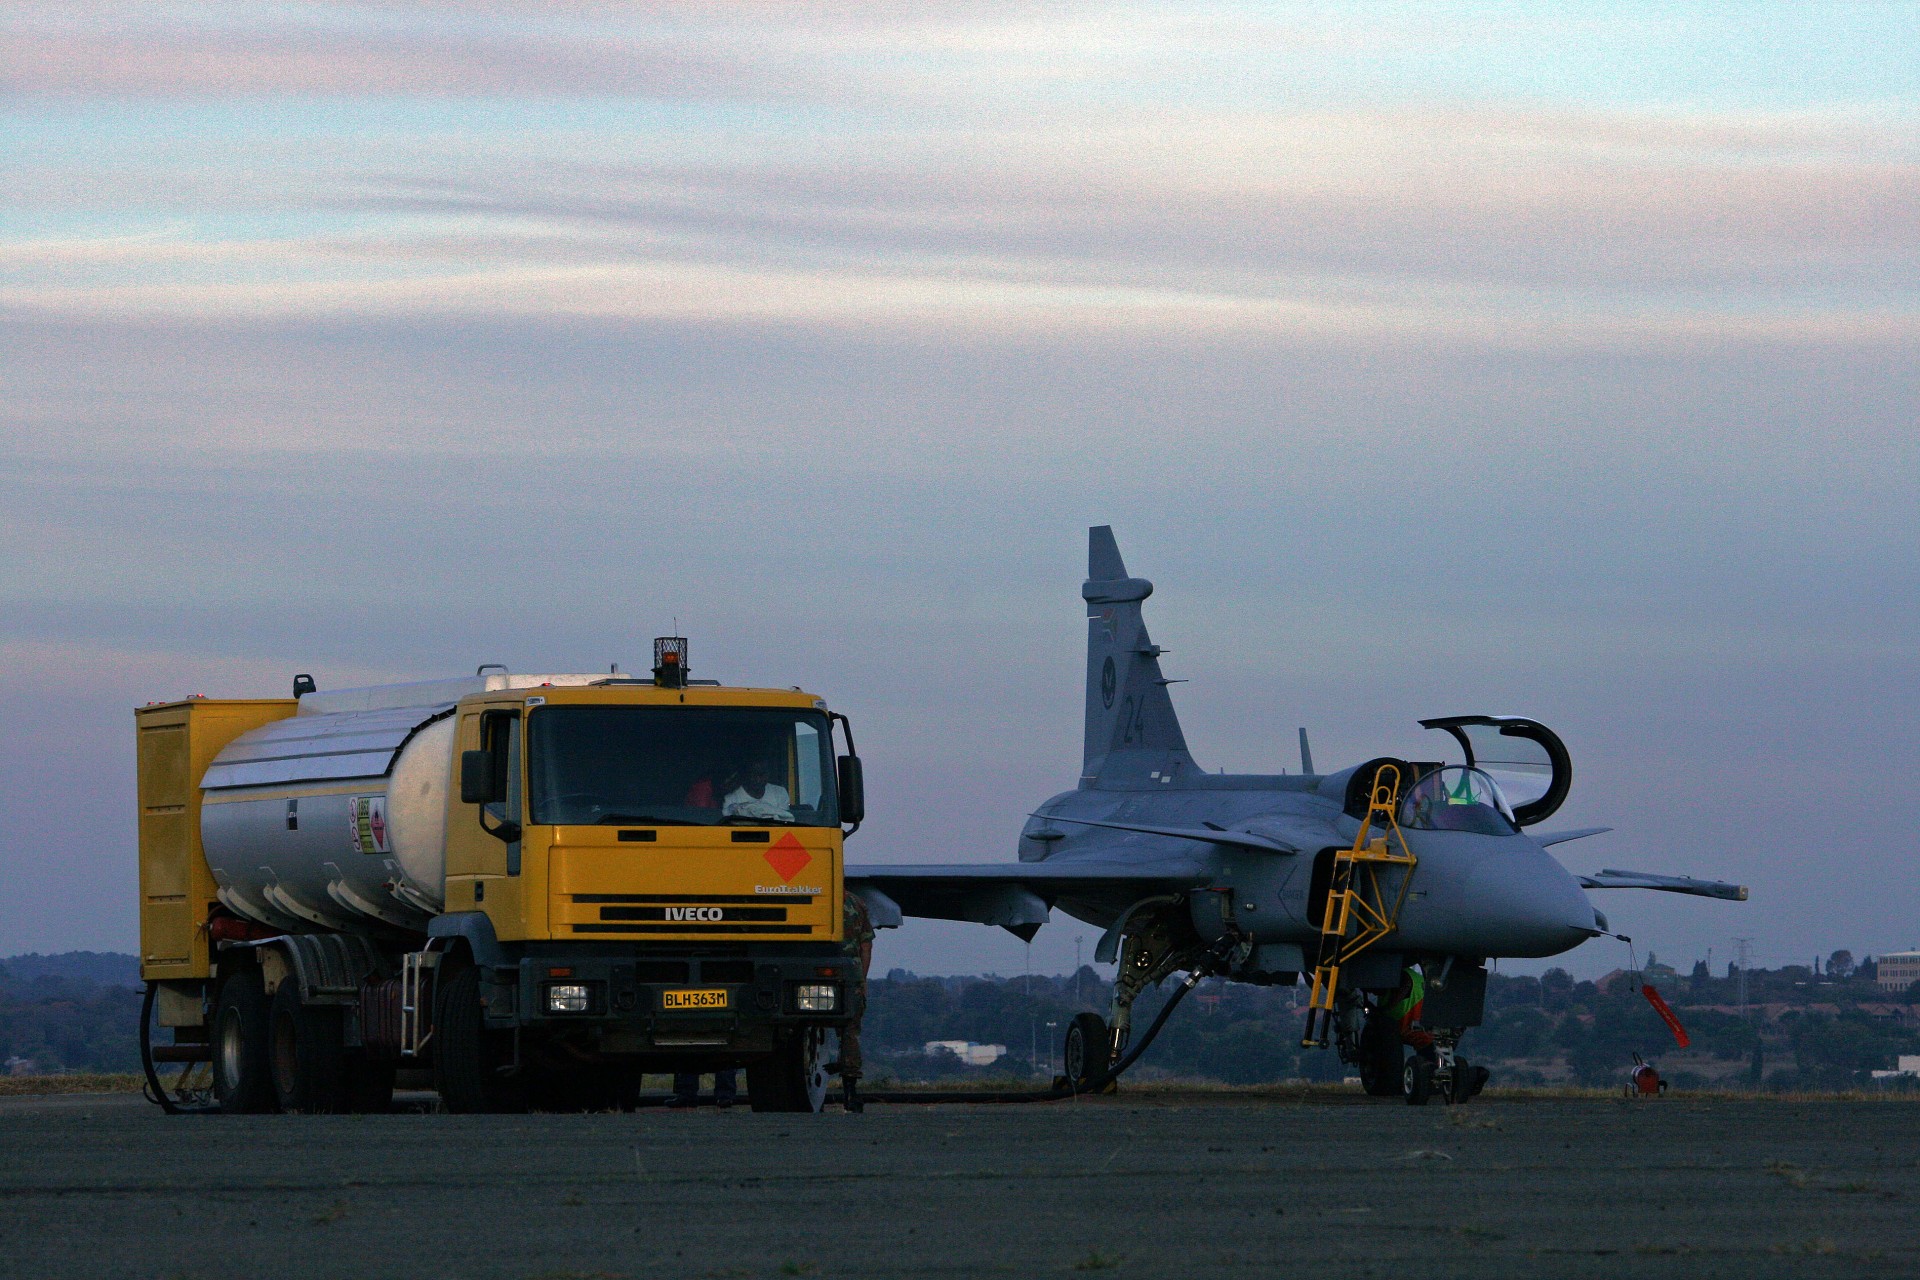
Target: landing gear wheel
point(1382, 1059)
point(1088, 1050)
point(242, 1075)
point(309, 1062)
point(794, 1076)
point(1461, 1085)
point(1419, 1081)
point(467, 1057)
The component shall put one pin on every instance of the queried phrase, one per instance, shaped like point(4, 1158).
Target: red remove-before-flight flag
point(1666, 1015)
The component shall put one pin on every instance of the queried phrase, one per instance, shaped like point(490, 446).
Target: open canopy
point(1524, 756)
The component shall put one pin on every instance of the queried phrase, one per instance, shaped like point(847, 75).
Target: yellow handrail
point(1357, 915)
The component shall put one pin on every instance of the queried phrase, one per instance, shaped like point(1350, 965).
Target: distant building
point(19, 1066)
point(1907, 1066)
point(974, 1055)
point(1898, 970)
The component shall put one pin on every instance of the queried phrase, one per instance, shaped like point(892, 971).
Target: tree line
point(1805, 1026)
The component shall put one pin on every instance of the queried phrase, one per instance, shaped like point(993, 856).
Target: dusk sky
point(1549, 359)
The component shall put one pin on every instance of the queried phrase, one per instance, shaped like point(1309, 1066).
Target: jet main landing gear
point(1438, 1072)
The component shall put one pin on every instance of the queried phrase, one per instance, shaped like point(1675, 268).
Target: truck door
point(500, 738)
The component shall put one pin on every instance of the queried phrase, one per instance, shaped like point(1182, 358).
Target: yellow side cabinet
point(176, 742)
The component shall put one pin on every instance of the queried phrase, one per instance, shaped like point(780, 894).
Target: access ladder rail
point(1357, 913)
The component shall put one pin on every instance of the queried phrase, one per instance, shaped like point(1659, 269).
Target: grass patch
point(26, 1086)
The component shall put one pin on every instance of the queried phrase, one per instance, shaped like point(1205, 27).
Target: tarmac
point(1175, 1185)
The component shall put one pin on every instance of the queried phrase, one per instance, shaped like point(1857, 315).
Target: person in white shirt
point(757, 797)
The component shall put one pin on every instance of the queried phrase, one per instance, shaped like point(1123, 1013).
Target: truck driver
point(758, 797)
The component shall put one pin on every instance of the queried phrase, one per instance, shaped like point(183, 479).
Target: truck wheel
point(242, 1077)
point(466, 1056)
point(794, 1076)
point(1088, 1050)
point(309, 1063)
point(369, 1086)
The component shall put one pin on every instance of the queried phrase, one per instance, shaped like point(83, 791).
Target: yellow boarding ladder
point(1356, 914)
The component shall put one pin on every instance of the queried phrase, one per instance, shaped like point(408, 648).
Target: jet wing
point(1578, 833)
point(1613, 879)
point(1206, 834)
point(1017, 896)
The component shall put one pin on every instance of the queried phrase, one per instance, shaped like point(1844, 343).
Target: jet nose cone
point(1533, 909)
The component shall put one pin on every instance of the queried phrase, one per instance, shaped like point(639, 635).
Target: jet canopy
point(1457, 798)
point(1525, 760)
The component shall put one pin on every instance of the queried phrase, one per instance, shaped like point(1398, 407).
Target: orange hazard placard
point(788, 858)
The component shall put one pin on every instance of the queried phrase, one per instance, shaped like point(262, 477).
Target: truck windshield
point(680, 766)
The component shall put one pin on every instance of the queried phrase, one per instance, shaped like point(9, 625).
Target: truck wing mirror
point(853, 791)
point(476, 777)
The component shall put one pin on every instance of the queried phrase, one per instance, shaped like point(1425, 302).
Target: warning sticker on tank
point(368, 814)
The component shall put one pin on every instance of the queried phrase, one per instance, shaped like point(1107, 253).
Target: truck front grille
point(689, 913)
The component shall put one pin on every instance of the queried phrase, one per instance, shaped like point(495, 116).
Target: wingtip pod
point(1614, 878)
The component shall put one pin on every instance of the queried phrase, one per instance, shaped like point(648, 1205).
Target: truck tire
point(466, 1056)
point(305, 1051)
point(794, 1076)
point(242, 1075)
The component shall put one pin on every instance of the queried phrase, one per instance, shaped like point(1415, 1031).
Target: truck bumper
point(647, 1003)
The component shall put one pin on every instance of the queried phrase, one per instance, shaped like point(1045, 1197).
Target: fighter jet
point(1385, 886)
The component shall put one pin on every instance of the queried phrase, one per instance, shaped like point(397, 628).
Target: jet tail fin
point(1132, 733)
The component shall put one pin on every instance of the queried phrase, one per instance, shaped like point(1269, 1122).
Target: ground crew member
point(1405, 1010)
point(686, 1088)
point(858, 943)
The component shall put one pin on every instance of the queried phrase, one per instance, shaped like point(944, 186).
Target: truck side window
point(500, 735)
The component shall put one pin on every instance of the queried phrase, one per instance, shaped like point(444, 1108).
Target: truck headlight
point(816, 997)
point(569, 998)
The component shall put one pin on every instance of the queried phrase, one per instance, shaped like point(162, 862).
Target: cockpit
point(1457, 798)
point(1516, 773)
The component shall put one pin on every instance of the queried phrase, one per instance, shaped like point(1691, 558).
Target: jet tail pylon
point(1132, 735)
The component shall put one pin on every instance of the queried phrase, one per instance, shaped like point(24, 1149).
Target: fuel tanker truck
point(527, 889)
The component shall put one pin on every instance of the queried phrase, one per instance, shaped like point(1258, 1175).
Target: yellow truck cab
point(537, 886)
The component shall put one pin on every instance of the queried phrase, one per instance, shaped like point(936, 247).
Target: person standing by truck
point(858, 942)
point(686, 1088)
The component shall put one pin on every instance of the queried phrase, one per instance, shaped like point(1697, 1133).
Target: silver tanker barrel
point(335, 820)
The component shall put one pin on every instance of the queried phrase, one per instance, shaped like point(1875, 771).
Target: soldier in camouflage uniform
point(859, 943)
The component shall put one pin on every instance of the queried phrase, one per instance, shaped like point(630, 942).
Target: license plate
point(713, 998)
